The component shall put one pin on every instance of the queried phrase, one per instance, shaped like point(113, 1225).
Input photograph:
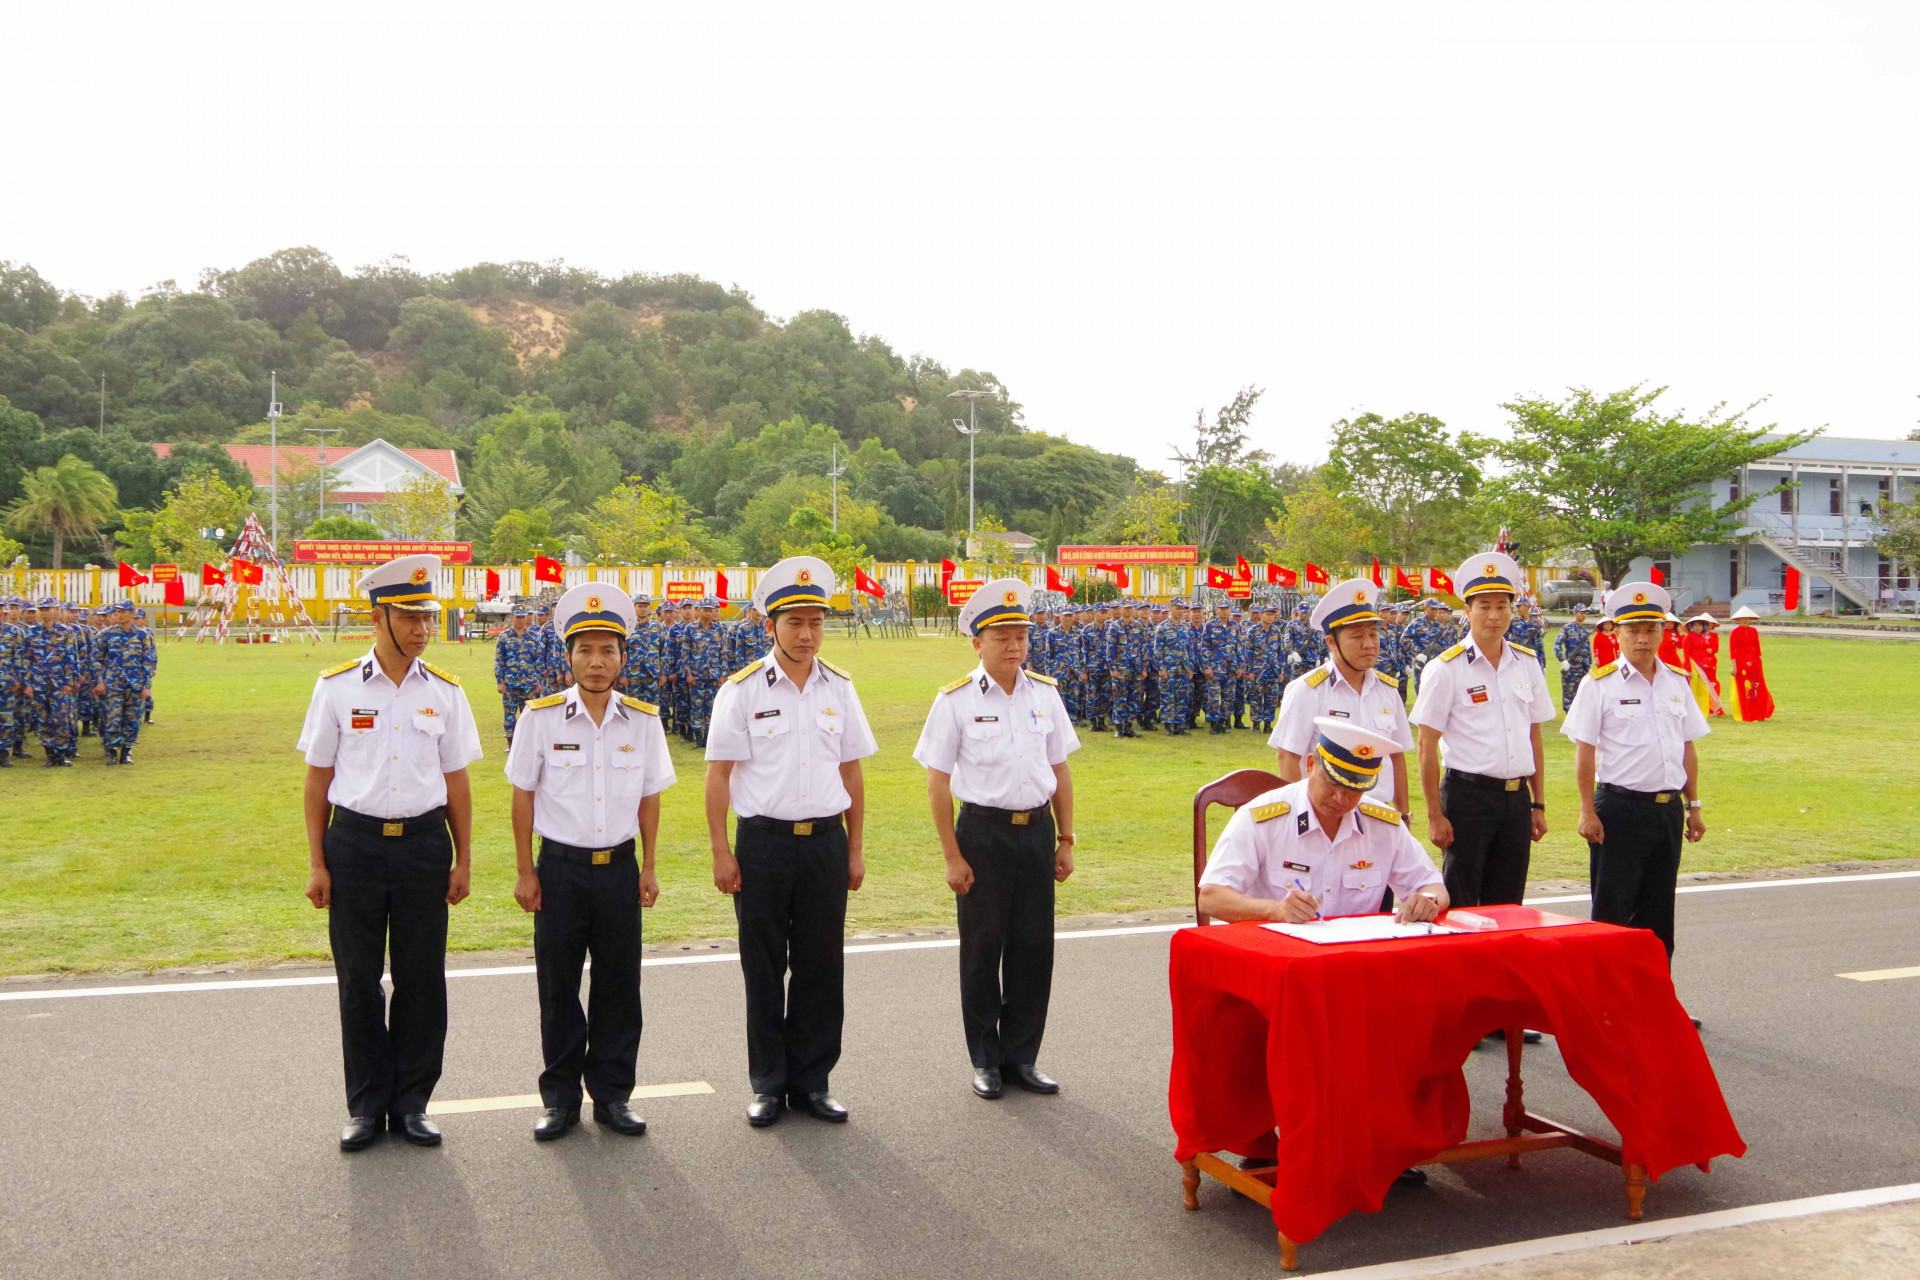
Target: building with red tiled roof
point(362, 477)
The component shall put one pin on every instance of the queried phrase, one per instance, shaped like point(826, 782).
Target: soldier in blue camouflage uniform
point(1219, 660)
point(1573, 646)
point(1427, 637)
point(1265, 659)
point(125, 660)
point(640, 674)
point(54, 670)
point(517, 657)
point(13, 678)
point(704, 665)
point(1173, 661)
point(1302, 644)
point(1525, 630)
point(1124, 661)
point(26, 717)
point(1093, 658)
point(679, 643)
point(1393, 648)
point(86, 626)
point(1066, 650)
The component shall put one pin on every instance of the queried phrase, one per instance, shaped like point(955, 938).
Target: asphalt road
point(193, 1134)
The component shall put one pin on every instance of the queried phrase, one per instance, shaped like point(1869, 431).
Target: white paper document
point(1359, 929)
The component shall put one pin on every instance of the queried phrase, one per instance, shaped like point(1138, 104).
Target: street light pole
point(835, 471)
point(322, 433)
point(273, 454)
point(969, 431)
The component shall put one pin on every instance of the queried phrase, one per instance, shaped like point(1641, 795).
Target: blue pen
point(1303, 889)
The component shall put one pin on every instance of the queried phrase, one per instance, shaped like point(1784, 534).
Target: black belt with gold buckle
point(592, 857)
point(428, 821)
point(1485, 780)
point(1017, 817)
point(804, 827)
point(1658, 797)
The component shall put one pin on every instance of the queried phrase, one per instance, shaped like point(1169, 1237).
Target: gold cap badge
point(1639, 597)
point(1013, 597)
point(593, 604)
point(1364, 751)
point(1492, 571)
point(1360, 596)
point(419, 576)
point(804, 577)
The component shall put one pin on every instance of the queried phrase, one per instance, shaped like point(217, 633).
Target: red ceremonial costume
point(1670, 647)
point(1703, 651)
point(1353, 1052)
point(1606, 648)
point(1751, 700)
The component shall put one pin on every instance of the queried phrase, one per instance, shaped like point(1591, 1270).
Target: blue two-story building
point(1824, 525)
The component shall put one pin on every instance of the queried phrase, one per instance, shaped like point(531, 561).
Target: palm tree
point(67, 499)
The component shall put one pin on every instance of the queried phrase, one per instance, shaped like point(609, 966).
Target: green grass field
point(196, 853)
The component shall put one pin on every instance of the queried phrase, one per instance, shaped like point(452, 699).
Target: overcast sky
point(1124, 212)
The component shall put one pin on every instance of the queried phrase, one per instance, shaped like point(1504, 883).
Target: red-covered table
point(1353, 1053)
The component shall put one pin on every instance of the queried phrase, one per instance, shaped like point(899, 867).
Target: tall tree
point(1615, 475)
point(1320, 525)
point(420, 510)
point(68, 499)
point(1412, 482)
point(1209, 490)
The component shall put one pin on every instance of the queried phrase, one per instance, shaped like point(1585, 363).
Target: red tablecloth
point(1353, 1052)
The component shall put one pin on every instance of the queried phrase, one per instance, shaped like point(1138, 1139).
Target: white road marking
point(1638, 1233)
point(720, 957)
point(1881, 975)
point(515, 1101)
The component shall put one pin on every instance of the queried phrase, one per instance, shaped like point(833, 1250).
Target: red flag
point(1792, 585)
point(1378, 581)
point(947, 570)
point(176, 592)
point(1282, 577)
point(861, 582)
point(246, 571)
point(545, 570)
point(493, 583)
point(1056, 583)
point(212, 577)
point(1405, 583)
point(132, 577)
point(1218, 577)
point(1439, 581)
point(1245, 569)
point(1657, 577)
point(1317, 575)
point(1119, 572)
point(720, 585)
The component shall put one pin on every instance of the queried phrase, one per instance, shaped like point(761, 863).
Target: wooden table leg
point(1289, 1254)
point(1636, 1191)
point(1190, 1182)
point(1516, 1107)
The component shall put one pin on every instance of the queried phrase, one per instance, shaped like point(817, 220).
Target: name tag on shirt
point(1478, 693)
point(566, 746)
point(986, 719)
point(1343, 715)
point(363, 722)
point(762, 715)
point(1296, 866)
point(1629, 702)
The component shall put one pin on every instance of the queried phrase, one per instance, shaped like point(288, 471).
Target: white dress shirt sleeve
point(727, 737)
point(1293, 732)
point(460, 746)
point(1235, 863)
point(1062, 741)
point(660, 774)
point(1693, 724)
point(1540, 710)
point(1431, 704)
point(939, 745)
point(1583, 717)
point(525, 757)
point(320, 735)
point(1411, 868)
point(858, 741)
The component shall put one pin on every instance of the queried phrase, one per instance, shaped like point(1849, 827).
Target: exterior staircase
point(1862, 592)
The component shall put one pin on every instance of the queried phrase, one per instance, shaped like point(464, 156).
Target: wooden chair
point(1234, 790)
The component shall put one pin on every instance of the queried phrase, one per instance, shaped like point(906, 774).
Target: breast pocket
point(771, 730)
point(422, 737)
point(1630, 721)
point(629, 775)
point(1034, 731)
point(566, 771)
point(988, 738)
point(1354, 879)
point(830, 733)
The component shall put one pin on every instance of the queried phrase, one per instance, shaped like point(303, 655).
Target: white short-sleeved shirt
point(588, 779)
point(788, 743)
point(1377, 705)
point(1276, 843)
point(1639, 730)
point(1485, 715)
point(999, 747)
point(390, 746)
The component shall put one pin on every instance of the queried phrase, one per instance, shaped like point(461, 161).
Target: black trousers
point(1006, 936)
point(1492, 841)
point(390, 891)
point(1634, 870)
point(792, 914)
point(587, 910)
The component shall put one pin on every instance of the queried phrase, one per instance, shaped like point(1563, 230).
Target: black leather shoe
point(554, 1123)
point(619, 1117)
point(126, 755)
point(763, 1110)
point(987, 1082)
point(821, 1106)
point(360, 1133)
point(1411, 1178)
point(417, 1129)
point(1031, 1078)
point(6, 759)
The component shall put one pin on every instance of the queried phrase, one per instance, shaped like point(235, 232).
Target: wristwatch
point(1693, 804)
point(1538, 805)
point(1062, 837)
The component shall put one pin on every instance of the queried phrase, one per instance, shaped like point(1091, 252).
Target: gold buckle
point(601, 857)
point(1513, 784)
point(1661, 797)
point(393, 828)
point(1020, 819)
point(803, 828)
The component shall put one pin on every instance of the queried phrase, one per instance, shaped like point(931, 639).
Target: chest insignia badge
point(1362, 865)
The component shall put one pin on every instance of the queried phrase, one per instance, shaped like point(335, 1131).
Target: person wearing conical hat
point(387, 740)
point(784, 749)
point(1752, 700)
point(1700, 642)
point(1633, 725)
point(587, 768)
point(1483, 767)
point(997, 739)
point(1348, 686)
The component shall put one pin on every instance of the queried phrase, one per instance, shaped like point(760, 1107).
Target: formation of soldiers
point(67, 674)
point(1126, 665)
point(675, 659)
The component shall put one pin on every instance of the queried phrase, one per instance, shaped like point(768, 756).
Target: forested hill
point(554, 384)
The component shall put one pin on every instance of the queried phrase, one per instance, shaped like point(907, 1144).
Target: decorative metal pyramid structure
point(254, 547)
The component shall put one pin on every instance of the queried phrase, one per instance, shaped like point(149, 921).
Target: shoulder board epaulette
point(1453, 653)
point(1380, 811)
point(746, 671)
point(1520, 648)
point(637, 705)
point(842, 672)
point(1317, 677)
point(1605, 671)
point(1042, 679)
point(1682, 672)
point(1392, 682)
point(448, 676)
point(334, 671)
point(551, 700)
point(961, 683)
point(1274, 810)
